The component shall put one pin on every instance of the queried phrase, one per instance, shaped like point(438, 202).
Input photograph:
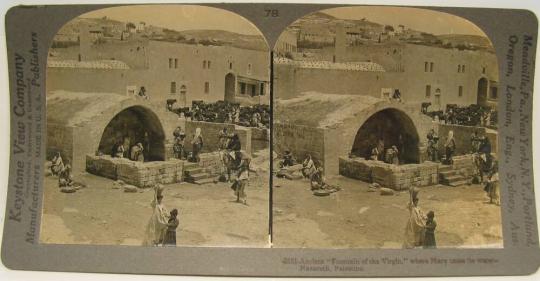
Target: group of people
point(487, 168)
point(309, 171)
point(232, 159)
point(472, 115)
point(161, 228)
point(137, 152)
point(420, 227)
point(179, 148)
point(257, 116)
point(389, 155)
point(433, 149)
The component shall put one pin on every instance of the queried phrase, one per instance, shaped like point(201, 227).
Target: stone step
point(445, 168)
point(447, 173)
point(194, 170)
point(201, 176)
point(206, 181)
point(459, 182)
point(188, 165)
point(453, 178)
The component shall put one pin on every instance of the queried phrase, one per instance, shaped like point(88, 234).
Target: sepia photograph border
point(519, 256)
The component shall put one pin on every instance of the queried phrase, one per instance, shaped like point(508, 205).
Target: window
point(484, 70)
point(183, 90)
point(426, 66)
point(249, 68)
point(170, 62)
point(253, 89)
point(460, 91)
point(431, 67)
point(242, 88)
point(206, 87)
point(230, 65)
point(175, 63)
point(208, 65)
point(493, 93)
point(463, 69)
point(459, 68)
point(204, 64)
point(173, 87)
point(428, 91)
point(261, 93)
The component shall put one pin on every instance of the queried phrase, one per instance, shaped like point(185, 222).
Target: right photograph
point(385, 131)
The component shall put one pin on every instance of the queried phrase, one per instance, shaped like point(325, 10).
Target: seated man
point(308, 167)
point(65, 178)
point(317, 180)
point(287, 161)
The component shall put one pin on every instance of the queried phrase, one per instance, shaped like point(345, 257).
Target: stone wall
point(464, 165)
point(300, 140)
point(210, 132)
point(260, 139)
point(211, 163)
point(462, 136)
point(397, 177)
point(59, 139)
point(140, 174)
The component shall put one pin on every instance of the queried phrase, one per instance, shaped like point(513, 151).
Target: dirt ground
point(355, 218)
point(208, 214)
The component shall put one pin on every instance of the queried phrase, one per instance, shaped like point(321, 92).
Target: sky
point(418, 19)
point(179, 17)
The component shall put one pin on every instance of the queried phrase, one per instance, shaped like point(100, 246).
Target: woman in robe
point(157, 225)
point(450, 147)
point(137, 153)
point(197, 143)
point(415, 228)
point(57, 164)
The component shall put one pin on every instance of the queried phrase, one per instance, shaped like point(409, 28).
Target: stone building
point(422, 73)
point(166, 70)
point(286, 44)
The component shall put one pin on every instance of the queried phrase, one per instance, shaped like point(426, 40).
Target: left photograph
point(157, 129)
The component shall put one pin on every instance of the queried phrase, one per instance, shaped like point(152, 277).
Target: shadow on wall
point(134, 125)
point(393, 127)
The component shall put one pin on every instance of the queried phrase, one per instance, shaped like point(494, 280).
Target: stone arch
point(482, 91)
point(394, 127)
point(230, 87)
point(132, 125)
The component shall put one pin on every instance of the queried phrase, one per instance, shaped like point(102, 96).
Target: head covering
point(197, 132)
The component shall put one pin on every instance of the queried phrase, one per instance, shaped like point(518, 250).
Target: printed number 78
point(272, 13)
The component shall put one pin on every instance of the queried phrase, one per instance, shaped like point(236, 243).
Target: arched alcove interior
point(388, 125)
point(134, 125)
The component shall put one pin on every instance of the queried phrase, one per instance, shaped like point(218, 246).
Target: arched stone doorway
point(135, 124)
point(230, 87)
point(482, 93)
point(394, 127)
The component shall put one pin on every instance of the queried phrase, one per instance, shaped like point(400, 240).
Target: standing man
point(415, 227)
point(432, 146)
point(241, 182)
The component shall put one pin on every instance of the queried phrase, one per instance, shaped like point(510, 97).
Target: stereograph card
point(271, 140)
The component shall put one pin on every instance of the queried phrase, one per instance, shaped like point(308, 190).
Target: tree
point(130, 25)
point(388, 28)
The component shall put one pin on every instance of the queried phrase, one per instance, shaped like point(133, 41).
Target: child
point(170, 234)
point(429, 238)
